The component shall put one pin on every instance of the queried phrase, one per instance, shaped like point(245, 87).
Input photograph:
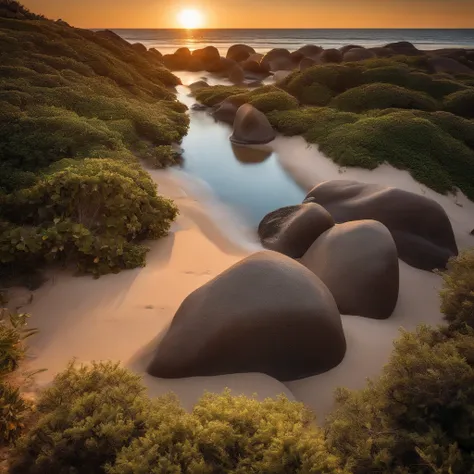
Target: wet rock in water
point(207, 55)
point(292, 230)
point(199, 107)
point(255, 67)
point(251, 127)
point(226, 112)
point(358, 262)
point(139, 48)
point(236, 75)
point(178, 62)
point(419, 226)
point(266, 314)
point(358, 54)
point(309, 51)
point(306, 63)
point(239, 52)
point(276, 59)
point(222, 65)
point(449, 65)
point(195, 86)
point(257, 57)
point(331, 56)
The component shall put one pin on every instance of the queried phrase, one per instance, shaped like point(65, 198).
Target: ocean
point(262, 40)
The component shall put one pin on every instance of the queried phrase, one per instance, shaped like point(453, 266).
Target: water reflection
point(248, 155)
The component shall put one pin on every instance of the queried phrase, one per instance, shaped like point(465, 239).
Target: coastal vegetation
point(394, 110)
point(78, 110)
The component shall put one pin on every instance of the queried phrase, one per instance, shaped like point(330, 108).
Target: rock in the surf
point(358, 54)
point(207, 55)
point(268, 314)
point(277, 59)
point(236, 74)
point(239, 52)
point(358, 262)
point(309, 51)
point(251, 127)
point(419, 225)
point(292, 230)
point(331, 56)
point(195, 86)
point(226, 112)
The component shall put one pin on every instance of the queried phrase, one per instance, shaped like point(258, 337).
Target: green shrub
point(161, 156)
point(14, 410)
point(382, 96)
point(432, 156)
point(92, 212)
point(97, 419)
point(86, 417)
point(457, 295)
point(418, 417)
point(461, 103)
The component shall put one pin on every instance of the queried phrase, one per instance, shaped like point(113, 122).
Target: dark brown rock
point(139, 48)
point(348, 47)
point(207, 55)
point(306, 63)
point(239, 52)
point(236, 74)
point(358, 262)
point(292, 230)
point(251, 127)
point(330, 56)
point(267, 314)
point(153, 52)
point(383, 52)
point(405, 48)
point(448, 65)
point(420, 227)
point(226, 112)
point(309, 51)
point(195, 86)
point(254, 67)
point(277, 59)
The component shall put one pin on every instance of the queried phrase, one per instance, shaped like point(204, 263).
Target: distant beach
point(262, 40)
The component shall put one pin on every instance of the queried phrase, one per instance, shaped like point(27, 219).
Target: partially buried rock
point(236, 74)
point(358, 262)
point(208, 55)
point(292, 230)
point(251, 127)
point(265, 314)
point(139, 48)
point(306, 63)
point(309, 51)
point(419, 225)
point(195, 86)
point(330, 56)
point(449, 65)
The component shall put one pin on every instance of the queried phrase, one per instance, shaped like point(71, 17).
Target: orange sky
point(262, 13)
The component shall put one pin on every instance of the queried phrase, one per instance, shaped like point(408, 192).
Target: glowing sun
point(190, 18)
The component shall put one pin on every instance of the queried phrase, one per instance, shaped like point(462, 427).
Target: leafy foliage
point(382, 96)
point(67, 93)
point(417, 418)
point(457, 295)
point(97, 419)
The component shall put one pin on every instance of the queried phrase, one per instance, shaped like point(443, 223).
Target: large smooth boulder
point(251, 127)
point(195, 86)
point(255, 67)
point(153, 52)
point(382, 52)
point(139, 48)
point(358, 54)
point(358, 262)
point(292, 230)
point(277, 59)
point(222, 65)
point(330, 56)
point(348, 47)
point(309, 51)
point(239, 52)
point(405, 48)
point(208, 56)
point(419, 225)
point(280, 76)
point(306, 63)
point(266, 314)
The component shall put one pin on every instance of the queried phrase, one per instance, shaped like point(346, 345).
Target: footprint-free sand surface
point(121, 317)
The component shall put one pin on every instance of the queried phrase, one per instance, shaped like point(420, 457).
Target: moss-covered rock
point(381, 96)
point(461, 103)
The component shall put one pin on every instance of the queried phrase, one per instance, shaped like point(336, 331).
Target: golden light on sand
point(190, 18)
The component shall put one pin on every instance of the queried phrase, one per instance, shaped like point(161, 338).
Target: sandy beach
point(121, 317)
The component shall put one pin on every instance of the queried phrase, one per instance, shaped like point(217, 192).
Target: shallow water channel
point(250, 180)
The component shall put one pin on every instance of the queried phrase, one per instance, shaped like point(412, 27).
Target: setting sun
point(190, 18)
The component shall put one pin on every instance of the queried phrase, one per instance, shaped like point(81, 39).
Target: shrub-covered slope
point(70, 94)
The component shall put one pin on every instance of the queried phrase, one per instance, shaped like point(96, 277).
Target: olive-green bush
point(92, 212)
point(431, 155)
point(461, 103)
point(382, 96)
point(97, 419)
point(418, 417)
point(67, 93)
point(457, 294)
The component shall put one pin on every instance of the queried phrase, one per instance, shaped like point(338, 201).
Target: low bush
point(432, 156)
point(382, 96)
point(457, 294)
point(461, 103)
point(97, 419)
point(418, 417)
point(92, 212)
